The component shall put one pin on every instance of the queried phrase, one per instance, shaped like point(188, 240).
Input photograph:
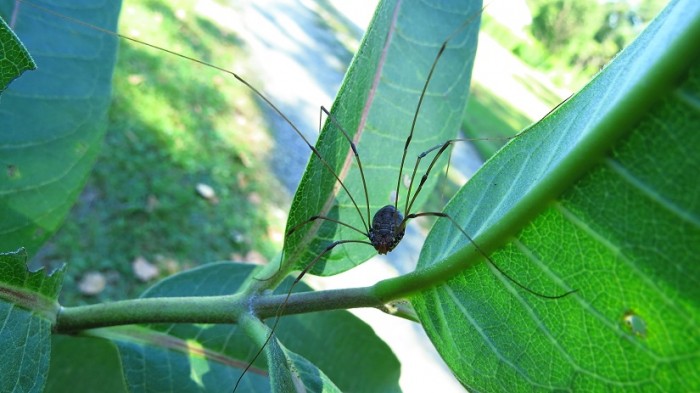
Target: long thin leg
point(318, 217)
point(357, 158)
point(442, 184)
point(308, 221)
point(411, 199)
point(289, 293)
point(422, 95)
point(443, 146)
point(364, 184)
point(483, 253)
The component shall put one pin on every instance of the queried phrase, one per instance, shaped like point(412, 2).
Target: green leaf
point(301, 377)
point(52, 120)
point(84, 364)
point(14, 58)
point(187, 357)
point(28, 310)
point(601, 197)
point(397, 52)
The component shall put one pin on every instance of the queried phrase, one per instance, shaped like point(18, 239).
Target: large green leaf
point(376, 105)
point(601, 197)
point(52, 120)
point(187, 357)
point(28, 306)
point(14, 58)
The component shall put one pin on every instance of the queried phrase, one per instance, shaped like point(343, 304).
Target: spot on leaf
point(634, 324)
point(12, 171)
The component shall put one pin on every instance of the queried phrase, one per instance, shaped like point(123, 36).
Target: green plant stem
point(304, 302)
point(203, 309)
point(208, 309)
point(229, 308)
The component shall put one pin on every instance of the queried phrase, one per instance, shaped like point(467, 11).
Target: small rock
point(93, 283)
point(144, 270)
point(206, 192)
point(135, 79)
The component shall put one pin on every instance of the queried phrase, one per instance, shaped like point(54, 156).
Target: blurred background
point(195, 170)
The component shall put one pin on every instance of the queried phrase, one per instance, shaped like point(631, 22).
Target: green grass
point(173, 124)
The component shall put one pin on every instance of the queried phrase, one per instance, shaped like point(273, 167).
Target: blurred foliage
point(579, 37)
point(587, 34)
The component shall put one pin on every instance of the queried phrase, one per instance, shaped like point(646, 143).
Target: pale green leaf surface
point(14, 58)
point(383, 115)
point(602, 197)
point(52, 120)
point(27, 311)
point(186, 357)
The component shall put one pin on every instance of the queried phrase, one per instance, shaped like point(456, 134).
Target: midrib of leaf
point(27, 313)
point(29, 300)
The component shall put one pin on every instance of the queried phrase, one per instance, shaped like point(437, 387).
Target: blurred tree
point(586, 34)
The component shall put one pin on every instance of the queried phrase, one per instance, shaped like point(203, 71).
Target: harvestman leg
point(362, 175)
point(442, 147)
point(485, 255)
point(311, 219)
point(328, 248)
point(411, 199)
point(278, 314)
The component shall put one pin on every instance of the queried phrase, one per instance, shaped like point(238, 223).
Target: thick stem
point(207, 309)
point(201, 309)
point(228, 309)
point(304, 302)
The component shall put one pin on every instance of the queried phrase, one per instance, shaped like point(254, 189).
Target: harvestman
point(388, 224)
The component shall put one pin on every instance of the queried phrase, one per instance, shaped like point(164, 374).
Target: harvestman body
point(388, 224)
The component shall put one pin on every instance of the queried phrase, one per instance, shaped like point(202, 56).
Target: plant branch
point(229, 308)
point(304, 302)
point(208, 309)
point(200, 309)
